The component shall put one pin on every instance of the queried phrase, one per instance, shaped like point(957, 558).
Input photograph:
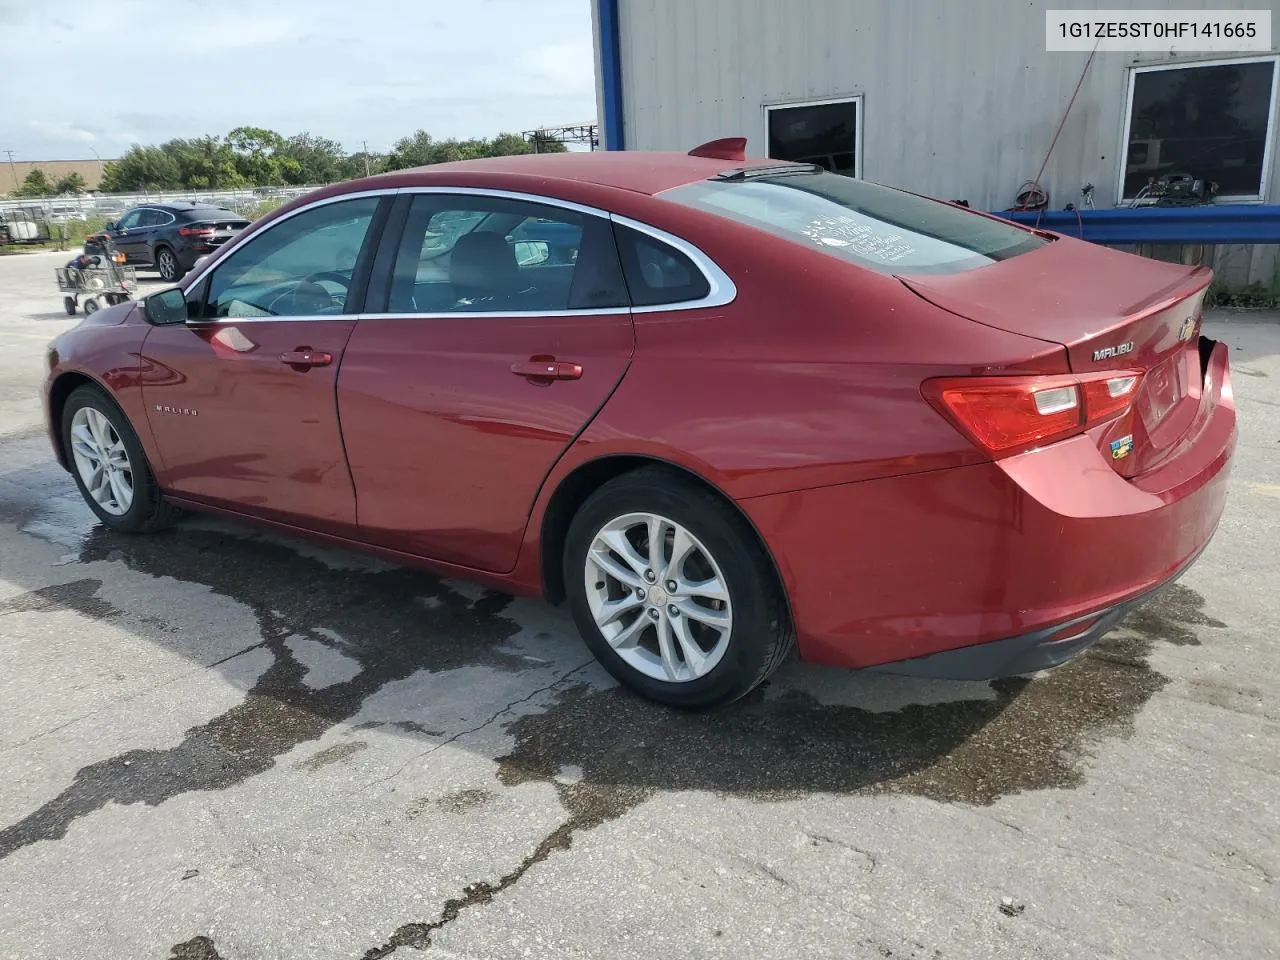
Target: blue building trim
point(1212, 223)
point(611, 74)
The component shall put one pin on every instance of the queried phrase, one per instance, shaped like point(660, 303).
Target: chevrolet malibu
point(725, 407)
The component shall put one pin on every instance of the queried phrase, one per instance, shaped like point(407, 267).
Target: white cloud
point(62, 130)
point(372, 70)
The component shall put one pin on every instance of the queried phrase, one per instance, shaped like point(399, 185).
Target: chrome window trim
point(496, 314)
point(172, 219)
point(722, 289)
point(216, 321)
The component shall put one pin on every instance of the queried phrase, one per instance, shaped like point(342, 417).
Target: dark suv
point(170, 236)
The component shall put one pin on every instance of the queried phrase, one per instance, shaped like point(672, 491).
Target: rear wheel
point(672, 593)
point(167, 264)
point(69, 304)
point(109, 465)
point(91, 305)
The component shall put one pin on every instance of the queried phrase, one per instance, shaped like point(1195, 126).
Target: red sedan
point(724, 407)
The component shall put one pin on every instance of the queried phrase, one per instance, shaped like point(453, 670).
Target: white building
point(952, 98)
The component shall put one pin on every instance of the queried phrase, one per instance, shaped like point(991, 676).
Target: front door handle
point(306, 357)
point(547, 368)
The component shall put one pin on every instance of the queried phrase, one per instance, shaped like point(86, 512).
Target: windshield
point(870, 225)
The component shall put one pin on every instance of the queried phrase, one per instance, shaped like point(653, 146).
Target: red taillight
point(1011, 414)
point(205, 232)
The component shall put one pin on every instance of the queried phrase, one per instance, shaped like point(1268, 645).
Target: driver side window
point(301, 267)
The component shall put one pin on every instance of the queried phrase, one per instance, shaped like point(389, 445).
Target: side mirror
point(109, 225)
point(168, 306)
point(532, 252)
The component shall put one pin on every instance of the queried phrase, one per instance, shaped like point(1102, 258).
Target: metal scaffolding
point(570, 133)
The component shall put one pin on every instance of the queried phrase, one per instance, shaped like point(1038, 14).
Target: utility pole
point(365, 144)
point(13, 169)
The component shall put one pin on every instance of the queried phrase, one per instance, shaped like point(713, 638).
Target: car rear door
point(240, 397)
point(480, 362)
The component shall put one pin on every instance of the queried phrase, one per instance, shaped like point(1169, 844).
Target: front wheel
point(109, 465)
point(672, 592)
point(167, 264)
point(69, 304)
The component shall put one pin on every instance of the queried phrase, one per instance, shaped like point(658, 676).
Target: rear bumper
point(1040, 649)
point(1009, 554)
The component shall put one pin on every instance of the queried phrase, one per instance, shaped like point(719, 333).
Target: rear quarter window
point(657, 273)
point(873, 226)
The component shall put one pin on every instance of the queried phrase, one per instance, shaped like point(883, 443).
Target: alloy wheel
point(658, 597)
point(168, 265)
point(102, 461)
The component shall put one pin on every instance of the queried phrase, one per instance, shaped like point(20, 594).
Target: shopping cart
point(101, 279)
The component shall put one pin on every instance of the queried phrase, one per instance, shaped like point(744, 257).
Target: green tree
point(421, 149)
point(317, 160)
point(142, 168)
point(260, 156)
point(71, 183)
point(35, 184)
point(206, 163)
point(506, 144)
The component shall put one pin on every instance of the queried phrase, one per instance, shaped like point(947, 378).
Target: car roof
point(180, 206)
point(647, 172)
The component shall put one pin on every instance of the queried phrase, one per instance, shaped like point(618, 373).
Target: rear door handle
point(306, 357)
point(547, 368)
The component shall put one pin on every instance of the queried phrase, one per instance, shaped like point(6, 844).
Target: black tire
point(761, 636)
point(149, 510)
point(69, 303)
point(170, 270)
point(91, 305)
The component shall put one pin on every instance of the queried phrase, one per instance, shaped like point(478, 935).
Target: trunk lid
point(1111, 312)
point(223, 230)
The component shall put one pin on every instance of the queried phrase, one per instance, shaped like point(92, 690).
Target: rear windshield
point(209, 213)
point(873, 226)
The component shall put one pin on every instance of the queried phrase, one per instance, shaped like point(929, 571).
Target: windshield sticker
point(848, 233)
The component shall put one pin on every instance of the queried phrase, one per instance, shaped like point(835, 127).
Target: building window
point(825, 132)
point(1209, 120)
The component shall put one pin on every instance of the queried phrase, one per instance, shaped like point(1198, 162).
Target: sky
point(96, 76)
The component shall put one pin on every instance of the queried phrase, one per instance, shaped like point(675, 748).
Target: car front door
point(240, 397)
point(481, 361)
point(126, 235)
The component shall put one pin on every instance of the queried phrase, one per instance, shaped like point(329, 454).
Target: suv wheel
point(167, 264)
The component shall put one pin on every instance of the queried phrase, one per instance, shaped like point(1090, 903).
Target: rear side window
point(873, 226)
point(657, 273)
point(494, 254)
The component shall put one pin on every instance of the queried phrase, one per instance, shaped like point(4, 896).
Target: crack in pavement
point(477, 728)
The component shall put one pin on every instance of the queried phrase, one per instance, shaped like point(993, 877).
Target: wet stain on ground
point(1172, 616)
point(338, 753)
point(378, 616)
point(1031, 736)
point(404, 726)
point(197, 948)
point(79, 596)
point(460, 801)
